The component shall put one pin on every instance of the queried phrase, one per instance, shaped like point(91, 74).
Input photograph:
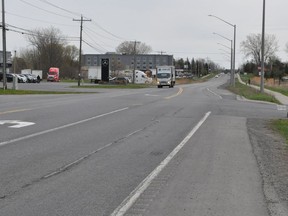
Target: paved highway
point(171, 151)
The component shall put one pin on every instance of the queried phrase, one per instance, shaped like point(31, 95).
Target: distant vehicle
point(9, 77)
point(37, 73)
point(94, 74)
point(53, 75)
point(165, 76)
point(141, 77)
point(23, 78)
point(30, 78)
point(20, 79)
point(26, 71)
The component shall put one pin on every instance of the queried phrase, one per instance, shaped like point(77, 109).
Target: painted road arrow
point(16, 123)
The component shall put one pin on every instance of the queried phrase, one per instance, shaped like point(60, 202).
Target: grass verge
point(251, 93)
point(29, 92)
point(281, 126)
point(281, 89)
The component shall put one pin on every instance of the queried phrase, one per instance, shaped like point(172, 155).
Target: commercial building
point(120, 62)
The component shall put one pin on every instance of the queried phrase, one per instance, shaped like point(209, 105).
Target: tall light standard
point(234, 26)
point(231, 66)
point(4, 45)
point(262, 50)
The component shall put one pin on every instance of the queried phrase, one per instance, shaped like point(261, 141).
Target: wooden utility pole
point(80, 49)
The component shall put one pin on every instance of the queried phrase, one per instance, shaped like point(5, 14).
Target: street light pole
point(4, 45)
point(262, 50)
point(231, 66)
point(234, 50)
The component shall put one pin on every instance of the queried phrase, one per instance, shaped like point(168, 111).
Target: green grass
point(281, 89)
point(281, 126)
point(251, 93)
point(29, 92)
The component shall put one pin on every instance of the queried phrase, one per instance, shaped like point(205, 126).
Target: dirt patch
point(269, 82)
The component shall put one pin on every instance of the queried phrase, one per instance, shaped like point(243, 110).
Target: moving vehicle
point(165, 76)
point(53, 75)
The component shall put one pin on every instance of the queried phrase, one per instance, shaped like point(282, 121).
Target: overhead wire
point(91, 38)
point(47, 11)
point(116, 37)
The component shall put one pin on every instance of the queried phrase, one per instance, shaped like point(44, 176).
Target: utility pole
point(4, 45)
point(263, 50)
point(80, 49)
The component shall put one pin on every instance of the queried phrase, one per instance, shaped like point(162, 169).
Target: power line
point(94, 41)
point(47, 11)
point(56, 6)
point(97, 49)
point(38, 20)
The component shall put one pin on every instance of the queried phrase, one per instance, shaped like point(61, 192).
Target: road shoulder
point(271, 154)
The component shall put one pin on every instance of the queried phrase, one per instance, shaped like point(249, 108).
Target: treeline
point(273, 69)
point(48, 48)
point(198, 67)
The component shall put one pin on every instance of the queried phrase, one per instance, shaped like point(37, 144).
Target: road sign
point(16, 123)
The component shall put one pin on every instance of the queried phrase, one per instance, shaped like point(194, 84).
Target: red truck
point(53, 75)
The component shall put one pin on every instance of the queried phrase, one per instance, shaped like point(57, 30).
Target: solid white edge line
point(135, 194)
point(61, 127)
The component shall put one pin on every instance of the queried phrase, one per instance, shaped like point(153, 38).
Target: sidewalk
point(282, 98)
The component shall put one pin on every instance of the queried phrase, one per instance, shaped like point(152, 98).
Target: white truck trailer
point(94, 74)
point(38, 73)
point(165, 76)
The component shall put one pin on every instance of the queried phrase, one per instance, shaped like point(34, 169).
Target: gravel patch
point(271, 153)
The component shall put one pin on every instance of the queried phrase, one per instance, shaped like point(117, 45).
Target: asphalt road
point(171, 151)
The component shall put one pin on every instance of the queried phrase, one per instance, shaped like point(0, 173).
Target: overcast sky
point(177, 27)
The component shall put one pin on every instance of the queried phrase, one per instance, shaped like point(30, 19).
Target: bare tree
point(286, 47)
point(48, 45)
point(49, 49)
point(251, 47)
point(128, 47)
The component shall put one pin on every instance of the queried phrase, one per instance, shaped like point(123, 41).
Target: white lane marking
point(151, 95)
point(135, 194)
point(281, 107)
point(214, 93)
point(61, 127)
point(18, 123)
